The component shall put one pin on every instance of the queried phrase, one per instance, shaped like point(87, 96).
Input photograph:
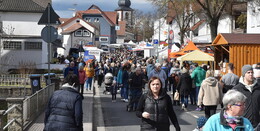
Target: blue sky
point(64, 7)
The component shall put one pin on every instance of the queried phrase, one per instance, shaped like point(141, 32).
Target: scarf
point(232, 119)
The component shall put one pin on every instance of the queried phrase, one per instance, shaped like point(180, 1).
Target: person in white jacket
point(210, 95)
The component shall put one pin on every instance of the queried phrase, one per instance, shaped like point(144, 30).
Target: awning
point(196, 55)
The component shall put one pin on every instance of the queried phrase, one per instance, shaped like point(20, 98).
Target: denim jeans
point(193, 96)
point(135, 96)
point(184, 100)
point(124, 91)
point(89, 83)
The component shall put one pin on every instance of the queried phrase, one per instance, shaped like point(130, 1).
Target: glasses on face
point(240, 105)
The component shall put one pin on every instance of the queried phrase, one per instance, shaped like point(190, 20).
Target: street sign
point(155, 41)
point(49, 34)
point(117, 27)
point(49, 16)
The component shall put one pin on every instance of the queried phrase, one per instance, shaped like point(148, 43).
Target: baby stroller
point(108, 82)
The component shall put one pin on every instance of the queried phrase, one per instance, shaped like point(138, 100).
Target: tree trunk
point(213, 29)
point(182, 38)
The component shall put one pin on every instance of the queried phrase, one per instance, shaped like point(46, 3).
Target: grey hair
point(157, 64)
point(232, 97)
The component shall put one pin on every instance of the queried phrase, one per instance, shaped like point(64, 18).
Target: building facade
point(21, 42)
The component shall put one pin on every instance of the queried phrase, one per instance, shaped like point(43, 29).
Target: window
point(196, 32)
point(96, 20)
point(88, 19)
point(33, 46)
point(126, 15)
point(103, 39)
point(78, 33)
point(86, 33)
point(12, 45)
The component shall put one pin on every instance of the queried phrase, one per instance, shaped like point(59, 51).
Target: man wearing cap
point(249, 87)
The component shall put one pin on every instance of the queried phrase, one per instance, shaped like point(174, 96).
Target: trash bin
point(52, 75)
point(35, 82)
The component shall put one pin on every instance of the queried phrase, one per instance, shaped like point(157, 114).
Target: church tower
point(125, 12)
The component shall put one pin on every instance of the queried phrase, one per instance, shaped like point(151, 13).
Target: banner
point(87, 56)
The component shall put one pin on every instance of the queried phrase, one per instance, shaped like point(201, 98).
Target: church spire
point(124, 5)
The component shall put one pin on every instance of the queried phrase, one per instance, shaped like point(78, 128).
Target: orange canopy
point(188, 48)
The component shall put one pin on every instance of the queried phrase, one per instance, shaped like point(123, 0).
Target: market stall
point(196, 56)
point(188, 48)
point(239, 49)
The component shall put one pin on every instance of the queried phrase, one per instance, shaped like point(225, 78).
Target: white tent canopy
point(130, 43)
point(196, 55)
point(93, 49)
point(116, 45)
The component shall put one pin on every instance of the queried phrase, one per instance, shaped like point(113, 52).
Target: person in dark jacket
point(184, 88)
point(71, 69)
point(249, 87)
point(155, 108)
point(136, 82)
point(64, 110)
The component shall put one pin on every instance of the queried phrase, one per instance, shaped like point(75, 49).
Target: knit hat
point(201, 121)
point(246, 68)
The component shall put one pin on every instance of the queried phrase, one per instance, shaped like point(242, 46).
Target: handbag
point(176, 96)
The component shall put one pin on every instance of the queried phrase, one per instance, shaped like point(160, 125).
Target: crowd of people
point(147, 86)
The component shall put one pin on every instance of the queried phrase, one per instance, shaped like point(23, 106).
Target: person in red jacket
point(82, 79)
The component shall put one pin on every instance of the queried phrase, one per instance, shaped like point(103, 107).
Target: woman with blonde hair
point(90, 72)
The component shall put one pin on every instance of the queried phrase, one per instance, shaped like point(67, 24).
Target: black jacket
point(252, 103)
point(136, 82)
point(185, 84)
point(64, 111)
point(160, 111)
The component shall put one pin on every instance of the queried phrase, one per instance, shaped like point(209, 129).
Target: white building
point(76, 31)
point(253, 17)
point(199, 28)
point(20, 36)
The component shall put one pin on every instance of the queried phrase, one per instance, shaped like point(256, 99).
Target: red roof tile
point(112, 16)
point(72, 28)
point(63, 20)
